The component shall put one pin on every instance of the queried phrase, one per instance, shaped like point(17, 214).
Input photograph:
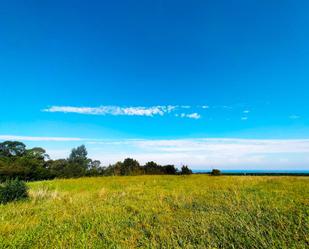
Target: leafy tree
point(113, 170)
point(58, 168)
point(185, 170)
point(79, 154)
point(12, 148)
point(94, 168)
point(152, 168)
point(37, 153)
point(78, 162)
point(34, 164)
point(130, 167)
point(24, 168)
point(10, 169)
point(169, 170)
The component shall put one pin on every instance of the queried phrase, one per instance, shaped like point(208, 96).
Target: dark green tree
point(79, 154)
point(34, 164)
point(152, 168)
point(215, 172)
point(12, 148)
point(94, 168)
point(170, 169)
point(130, 167)
point(58, 168)
point(116, 169)
point(185, 170)
point(78, 161)
point(37, 153)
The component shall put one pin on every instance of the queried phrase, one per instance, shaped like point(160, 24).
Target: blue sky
point(207, 83)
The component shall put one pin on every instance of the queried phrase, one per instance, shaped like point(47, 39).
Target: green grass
point(197, 211)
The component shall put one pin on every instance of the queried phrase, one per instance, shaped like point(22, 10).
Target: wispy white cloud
point(32, 138)
point(181, 111)
point(188, 115)
point(227, 153)
point(226, 144)
point(126, 111)
point(193, 115)
point(211, 152)
point(114, 110)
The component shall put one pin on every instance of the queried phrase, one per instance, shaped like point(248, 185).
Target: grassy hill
point(197, 211)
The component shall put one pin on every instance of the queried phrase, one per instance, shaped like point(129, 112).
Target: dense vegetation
point(197, 211)
point(215, 172)
point(13, 190)
point(34, 164)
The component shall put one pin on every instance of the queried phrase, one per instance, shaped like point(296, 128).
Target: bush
point(215, 172)
point(13, 190)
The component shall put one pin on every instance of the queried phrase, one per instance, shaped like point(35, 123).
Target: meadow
point(196, 211)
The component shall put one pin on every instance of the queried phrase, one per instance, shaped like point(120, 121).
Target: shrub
point(13, 190)
point(215, 172)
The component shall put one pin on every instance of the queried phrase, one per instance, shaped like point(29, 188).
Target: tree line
point(16, 161)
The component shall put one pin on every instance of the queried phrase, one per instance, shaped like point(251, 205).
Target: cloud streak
point(199, 153)
point(114, 110)
point(179, 111)
point(32, 138)
point(227, 153)
point(190, 115)
point(126, 111)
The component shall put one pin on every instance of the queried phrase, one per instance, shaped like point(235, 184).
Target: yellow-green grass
point(197, 211)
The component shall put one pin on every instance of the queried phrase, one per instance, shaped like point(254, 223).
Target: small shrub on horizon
point(215, 172)
point(13, 190)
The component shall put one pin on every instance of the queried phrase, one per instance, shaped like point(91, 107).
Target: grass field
point(197, 211)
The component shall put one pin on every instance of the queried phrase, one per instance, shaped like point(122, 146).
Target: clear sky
point(205, 83)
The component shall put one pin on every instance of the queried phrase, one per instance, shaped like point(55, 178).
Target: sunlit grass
point(197, 211)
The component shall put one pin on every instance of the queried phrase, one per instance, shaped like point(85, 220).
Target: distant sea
point(259, 171)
